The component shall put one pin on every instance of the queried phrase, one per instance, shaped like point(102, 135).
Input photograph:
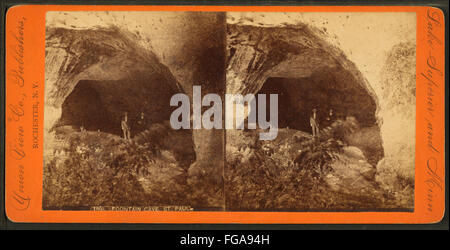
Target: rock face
point(351, 173)
point(257, 53)
point(97, 54)
point(396, 171)
point(272, 58)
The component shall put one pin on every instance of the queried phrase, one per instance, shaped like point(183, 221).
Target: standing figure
point(126, 127)
point(330, 117)
point(140, 123)
point(313, 121)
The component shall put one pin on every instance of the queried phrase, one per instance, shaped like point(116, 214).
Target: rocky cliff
point(259, 55)
point(135, 68)
point(398, 112)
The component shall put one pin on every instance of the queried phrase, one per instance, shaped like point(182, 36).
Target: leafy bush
point(317, 155)
point(86, 176)
point(291, 173)
point(340, 129)
point(259, 178)
point(98, 169)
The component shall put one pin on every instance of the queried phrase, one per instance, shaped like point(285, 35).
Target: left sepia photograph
point(108, 144)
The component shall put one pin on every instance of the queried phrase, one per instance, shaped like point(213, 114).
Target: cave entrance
point(327, 89)
point(84, 107)
point(323, 90)
point(102, 104)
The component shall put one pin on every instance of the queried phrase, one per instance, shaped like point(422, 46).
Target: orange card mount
point(202, 114)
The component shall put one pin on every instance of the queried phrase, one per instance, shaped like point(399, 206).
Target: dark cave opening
point(102, 104)
point(84, 107)
point(324, 90)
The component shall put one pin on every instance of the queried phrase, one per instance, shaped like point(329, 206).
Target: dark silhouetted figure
point(141, 124)
point(330, 117)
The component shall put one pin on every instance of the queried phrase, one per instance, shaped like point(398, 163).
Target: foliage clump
point(98, 169)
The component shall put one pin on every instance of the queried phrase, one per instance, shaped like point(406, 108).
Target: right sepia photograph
point(346, 86)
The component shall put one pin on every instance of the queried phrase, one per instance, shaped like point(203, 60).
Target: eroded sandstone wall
point(185, 48)
point(398, 113)
point(378, 49)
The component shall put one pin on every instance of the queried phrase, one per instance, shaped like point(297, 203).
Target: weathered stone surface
point(354, 152)
point(351, 173)
point(119, 59)
point(256, 53)
point(398, 111)
point(261, 51)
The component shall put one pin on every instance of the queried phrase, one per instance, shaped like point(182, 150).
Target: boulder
point(351, 173)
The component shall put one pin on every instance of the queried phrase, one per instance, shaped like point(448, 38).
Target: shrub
point(260, 179)
point(98, 169)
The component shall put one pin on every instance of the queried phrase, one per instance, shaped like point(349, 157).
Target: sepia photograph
point(229, 111)
point(346, 111)
point(109, 80)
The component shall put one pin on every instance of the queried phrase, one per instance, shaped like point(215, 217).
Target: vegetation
point(277, 182)
point(289, 174)
point(99, 169)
